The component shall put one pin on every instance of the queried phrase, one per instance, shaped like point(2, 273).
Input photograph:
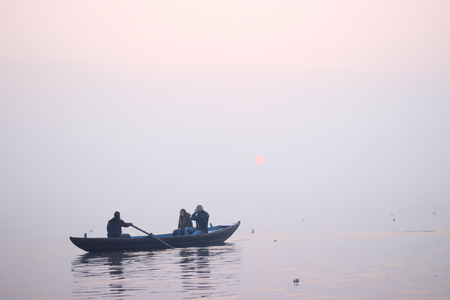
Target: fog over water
point(147, 108)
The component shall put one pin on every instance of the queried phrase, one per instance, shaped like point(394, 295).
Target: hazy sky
point(151, 106)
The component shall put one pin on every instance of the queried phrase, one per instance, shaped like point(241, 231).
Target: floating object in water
point(393, 220)
point(274, 240)
point(296, 280)
point(253, 230)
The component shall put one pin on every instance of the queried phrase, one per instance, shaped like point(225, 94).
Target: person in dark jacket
point(115, 226)
point(201, 217)
point(183, 221)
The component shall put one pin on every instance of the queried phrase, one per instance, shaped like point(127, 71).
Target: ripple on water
point(190, 273)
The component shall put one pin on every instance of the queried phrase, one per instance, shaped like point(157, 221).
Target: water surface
point(408, 264)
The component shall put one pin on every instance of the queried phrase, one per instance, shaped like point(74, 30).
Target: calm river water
point(347, 265)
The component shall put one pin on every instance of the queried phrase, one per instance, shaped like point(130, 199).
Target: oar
point(153, 236)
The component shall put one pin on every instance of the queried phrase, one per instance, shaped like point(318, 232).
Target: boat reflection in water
point(196, 271)
point(186, 273)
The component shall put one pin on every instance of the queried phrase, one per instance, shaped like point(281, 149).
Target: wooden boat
point(216, 235)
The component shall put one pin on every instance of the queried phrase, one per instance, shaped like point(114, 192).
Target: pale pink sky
point(145, 106)
point(229, 35)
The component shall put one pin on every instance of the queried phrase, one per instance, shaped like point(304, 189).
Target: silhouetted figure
point(183, 221)
point(201, 217)
point(115, 226)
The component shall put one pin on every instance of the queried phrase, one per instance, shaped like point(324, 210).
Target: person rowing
point(115, 225)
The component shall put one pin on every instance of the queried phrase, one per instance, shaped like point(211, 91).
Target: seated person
point(183, 221)
point(201, 217)
point(115, 226)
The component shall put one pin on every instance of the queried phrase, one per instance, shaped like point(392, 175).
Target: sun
point(259, 160)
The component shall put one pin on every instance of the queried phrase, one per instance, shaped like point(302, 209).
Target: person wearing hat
point(201, 217)
point(115, 225)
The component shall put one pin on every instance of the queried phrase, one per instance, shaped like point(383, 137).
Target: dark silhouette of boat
point(216, 235)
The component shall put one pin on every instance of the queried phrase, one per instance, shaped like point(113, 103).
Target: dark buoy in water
point(296, 280)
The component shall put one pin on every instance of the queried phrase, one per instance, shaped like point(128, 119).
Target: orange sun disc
point(259, 160)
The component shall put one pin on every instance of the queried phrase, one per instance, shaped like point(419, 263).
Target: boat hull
point(217, 235)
